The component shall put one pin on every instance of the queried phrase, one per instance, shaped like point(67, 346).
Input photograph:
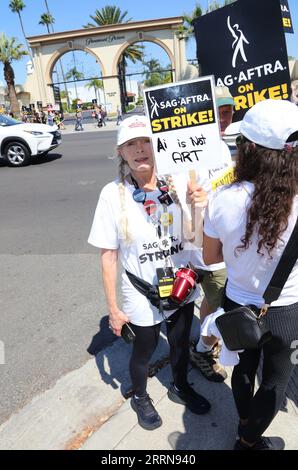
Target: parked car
point(20, 141)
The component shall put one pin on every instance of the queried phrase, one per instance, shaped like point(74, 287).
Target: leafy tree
point(17, 6)
point(11, 50)
point(47, 19)
point(167, 75)
point(154, 75)
point(63, 94)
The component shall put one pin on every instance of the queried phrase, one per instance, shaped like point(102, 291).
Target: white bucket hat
point(132, 128)
point(270, 123)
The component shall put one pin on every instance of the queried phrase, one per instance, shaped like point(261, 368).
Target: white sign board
point(184, 125)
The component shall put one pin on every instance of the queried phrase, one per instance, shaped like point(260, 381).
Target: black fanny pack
point(245, 327)
point(151, 293)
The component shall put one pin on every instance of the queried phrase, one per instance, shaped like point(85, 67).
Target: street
point(51, 293)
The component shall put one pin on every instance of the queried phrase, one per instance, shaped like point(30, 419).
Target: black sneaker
point(148, 417)
point(241, 428)
point(191, 399)
point(207, 364)
point(264, 443)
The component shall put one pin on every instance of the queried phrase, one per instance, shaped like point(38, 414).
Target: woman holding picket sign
point(251, 224)
point(138, 219)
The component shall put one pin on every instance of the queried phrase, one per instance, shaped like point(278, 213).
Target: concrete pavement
point(87, 409)
point(90, 127)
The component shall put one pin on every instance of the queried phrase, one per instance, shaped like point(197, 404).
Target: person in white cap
point(138, 219)
point(248, 225)
point(225, 105)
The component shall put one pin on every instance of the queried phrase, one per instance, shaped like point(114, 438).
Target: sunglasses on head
point(240, 139)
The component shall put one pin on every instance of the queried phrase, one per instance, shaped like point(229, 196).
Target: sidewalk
point(89, 127)
point(86, 410)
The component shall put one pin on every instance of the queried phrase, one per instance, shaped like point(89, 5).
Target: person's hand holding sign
point(197, 196)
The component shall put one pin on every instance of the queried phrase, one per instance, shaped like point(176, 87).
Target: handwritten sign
point(184, 125)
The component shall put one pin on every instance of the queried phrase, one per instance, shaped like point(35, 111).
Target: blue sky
point(72, 14)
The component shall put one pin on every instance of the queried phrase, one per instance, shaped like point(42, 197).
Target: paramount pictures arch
point(106, 44)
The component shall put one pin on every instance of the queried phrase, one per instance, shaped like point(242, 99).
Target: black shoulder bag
point(245, 327)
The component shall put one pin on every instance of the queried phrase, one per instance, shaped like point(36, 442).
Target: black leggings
point(178, 333)
point(260, 408)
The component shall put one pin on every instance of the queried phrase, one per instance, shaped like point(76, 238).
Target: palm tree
point(11, 50)
point(75, 75)
point(96, 84)
point(17, 6)
point(48, 12)
point(60, 61)
point(108, 15)
point(46, 19)
point(187, 29)
point(152, 65)
point(213, 5)
point(113, 15)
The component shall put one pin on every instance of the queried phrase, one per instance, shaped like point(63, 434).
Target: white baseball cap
point(132, 128)
point(223, 96)
point(270, 123)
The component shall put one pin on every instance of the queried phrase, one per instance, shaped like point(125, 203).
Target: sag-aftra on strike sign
point(249, 55)
point(185, 132)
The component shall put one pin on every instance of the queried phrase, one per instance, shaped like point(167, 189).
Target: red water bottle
point(184, 282)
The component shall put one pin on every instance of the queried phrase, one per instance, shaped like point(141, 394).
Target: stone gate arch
point(60, 52)
point(106, 44)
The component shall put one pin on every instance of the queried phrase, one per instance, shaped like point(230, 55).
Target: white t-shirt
point(248, 273)
point(143, 255)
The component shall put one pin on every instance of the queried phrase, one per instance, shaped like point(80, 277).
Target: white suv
point(20, 141)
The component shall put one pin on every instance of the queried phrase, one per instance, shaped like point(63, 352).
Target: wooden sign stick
point(193, 180)
point(192, 176)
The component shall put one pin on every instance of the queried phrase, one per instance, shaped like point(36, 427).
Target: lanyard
point(139, 195)
point(165, 275)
